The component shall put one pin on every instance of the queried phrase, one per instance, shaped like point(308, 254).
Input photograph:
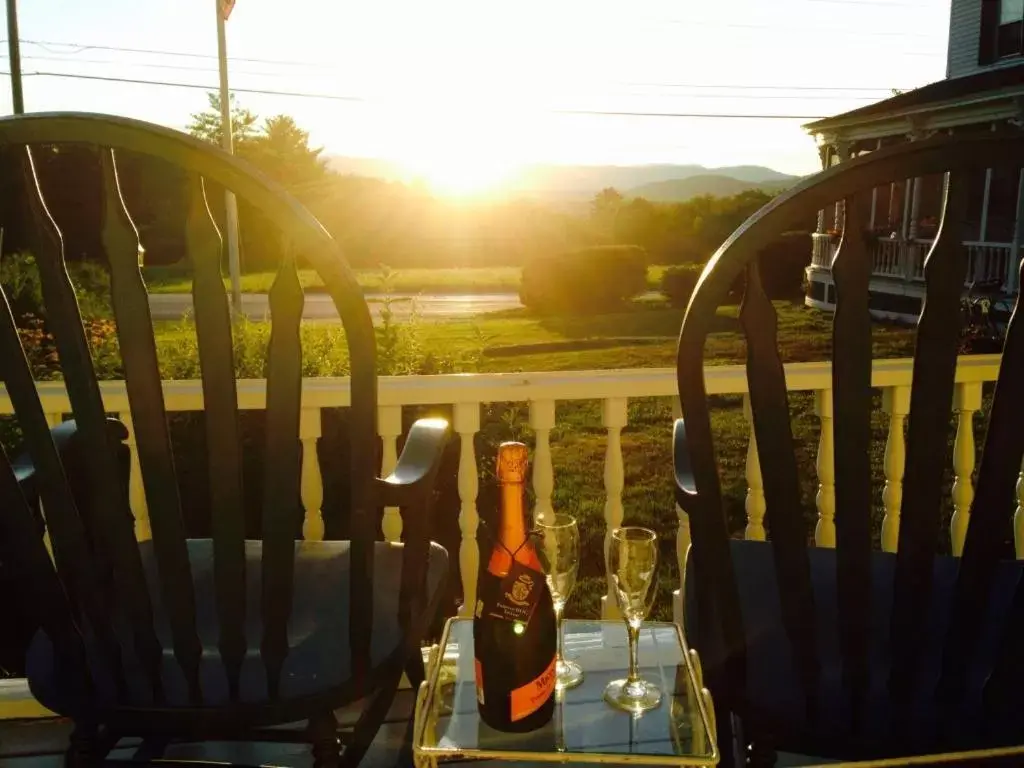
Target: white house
point(983, 91)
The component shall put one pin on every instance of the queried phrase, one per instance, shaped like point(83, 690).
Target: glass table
point(584, 728)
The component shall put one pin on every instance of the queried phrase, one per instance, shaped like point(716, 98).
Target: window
point(1011, 24)
point(1002, 30)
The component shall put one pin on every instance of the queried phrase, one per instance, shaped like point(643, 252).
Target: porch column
point(906, 208)
point(823, 157)
point(1013, 263)
point(893, 211)
point(983, 229)
point(874, 197)
point(841, 155)
point(915, 210)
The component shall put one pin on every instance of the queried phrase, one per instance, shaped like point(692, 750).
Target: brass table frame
point(428, 755)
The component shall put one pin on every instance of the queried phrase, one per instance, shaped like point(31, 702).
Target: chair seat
point(772, 679)
point(318, 631)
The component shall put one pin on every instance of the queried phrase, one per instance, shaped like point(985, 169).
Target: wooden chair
point(850, 653)
point(222, 638)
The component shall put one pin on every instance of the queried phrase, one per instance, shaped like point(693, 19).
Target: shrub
point(19, 277)
point(589, 279)
point(677, 283)
point(783, 261)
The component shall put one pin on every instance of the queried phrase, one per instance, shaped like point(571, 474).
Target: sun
point(461, 174)
point(460, 153)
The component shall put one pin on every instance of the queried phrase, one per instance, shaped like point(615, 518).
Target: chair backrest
point(99, 587)
point(935, 361)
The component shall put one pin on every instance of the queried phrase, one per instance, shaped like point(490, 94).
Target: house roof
point(938, 93)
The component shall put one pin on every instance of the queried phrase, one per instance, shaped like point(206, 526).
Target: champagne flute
point(560, 552)
point(632, 562)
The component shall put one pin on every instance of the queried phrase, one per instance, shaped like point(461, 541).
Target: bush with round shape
point(586, 280)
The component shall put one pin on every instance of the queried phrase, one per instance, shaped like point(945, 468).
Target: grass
point(456, 280)
point(468, 280)
point(578, 441)
point(641, 337)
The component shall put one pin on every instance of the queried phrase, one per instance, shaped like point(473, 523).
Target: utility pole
point(14, 57)
point(230, 204)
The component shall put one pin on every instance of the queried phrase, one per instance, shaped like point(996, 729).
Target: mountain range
point(571, 183)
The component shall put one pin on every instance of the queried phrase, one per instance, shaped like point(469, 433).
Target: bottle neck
point(511, 542)
point(512, 528)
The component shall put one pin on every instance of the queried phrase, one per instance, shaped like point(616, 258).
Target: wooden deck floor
point(40, 744)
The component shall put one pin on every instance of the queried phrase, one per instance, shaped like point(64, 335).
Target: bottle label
point(514, 597)
point(527, 699)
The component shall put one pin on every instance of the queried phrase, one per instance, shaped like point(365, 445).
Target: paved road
point(318, 306)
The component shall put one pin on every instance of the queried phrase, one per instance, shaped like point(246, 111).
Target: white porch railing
point(541, 391)
point(822, 250)
point(905, 260)
point(988, 261)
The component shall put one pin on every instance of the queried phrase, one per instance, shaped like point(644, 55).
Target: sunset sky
point(471, 89)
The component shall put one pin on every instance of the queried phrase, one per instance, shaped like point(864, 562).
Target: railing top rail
point(187, 395)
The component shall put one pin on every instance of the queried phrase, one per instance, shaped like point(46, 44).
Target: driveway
point(320, 307)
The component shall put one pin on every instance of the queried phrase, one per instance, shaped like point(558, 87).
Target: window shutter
point(989, 31)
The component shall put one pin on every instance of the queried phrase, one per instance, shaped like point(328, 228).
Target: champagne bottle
point(514, 622)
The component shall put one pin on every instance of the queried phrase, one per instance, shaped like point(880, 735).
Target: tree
point(206, 125)
point(282, 151)
point(605, 204)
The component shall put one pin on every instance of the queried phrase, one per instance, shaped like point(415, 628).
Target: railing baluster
point(311, 483)
point(614, 417)
point(136, 487)
point(1018, 517)
point(896, 403)
point(682, 540)
point(966, 401)
point(542, 420)
point(825, 500)
point(389, 427)
point(755, 503)
point(467, 424)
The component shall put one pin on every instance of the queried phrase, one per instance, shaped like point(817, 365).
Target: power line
point(338, 97)
point(835, 31)
point(82, 47)
point(110, 78)
point(150, 65)
point(198, 86)
point(702, 86)
point(770, 87)
point(603, 113)
point(883, 3)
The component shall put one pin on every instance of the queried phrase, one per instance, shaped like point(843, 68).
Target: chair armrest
point(413, 477)
point(686, 486)
point(65, 437)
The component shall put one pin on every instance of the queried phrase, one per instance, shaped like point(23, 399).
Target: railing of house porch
point(904, 259)
point(541, 392)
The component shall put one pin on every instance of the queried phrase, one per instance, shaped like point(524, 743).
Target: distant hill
point(680, 190)
point(570, 183)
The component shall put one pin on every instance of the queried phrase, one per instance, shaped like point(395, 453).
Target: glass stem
point(559, 657)
point(634, 652)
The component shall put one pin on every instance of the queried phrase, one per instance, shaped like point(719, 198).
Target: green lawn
point(467, 279)
point(642, 337)
point(578, 442)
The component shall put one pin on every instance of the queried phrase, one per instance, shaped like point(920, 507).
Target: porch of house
point(31, 738)
point(897, 274)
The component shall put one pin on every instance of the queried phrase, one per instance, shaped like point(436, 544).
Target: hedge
point(782, 263)
point(585, 280)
